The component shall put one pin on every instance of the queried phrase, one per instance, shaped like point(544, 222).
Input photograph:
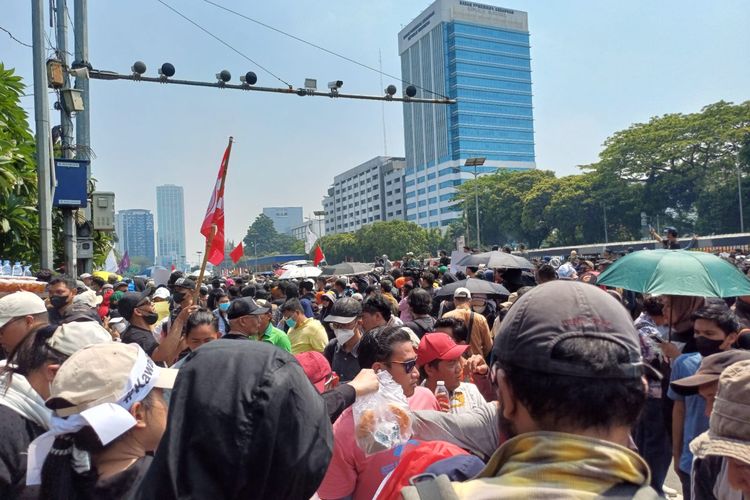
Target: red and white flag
point(319, 256)
point(237, 253)
point(215, 213)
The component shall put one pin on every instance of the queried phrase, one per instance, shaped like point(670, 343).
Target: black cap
point(129, 301)
point(244, 306)
point(185, 283)
point(560, 310)
point(345, 310)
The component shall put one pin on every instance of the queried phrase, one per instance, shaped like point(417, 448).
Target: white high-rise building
point(370, 192)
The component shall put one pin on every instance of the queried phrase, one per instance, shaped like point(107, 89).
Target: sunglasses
point(408, 365)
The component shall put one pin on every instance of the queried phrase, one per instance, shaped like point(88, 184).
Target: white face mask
point(479, 309)
point(343, 335)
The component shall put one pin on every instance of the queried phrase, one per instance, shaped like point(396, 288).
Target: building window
point(398, 212)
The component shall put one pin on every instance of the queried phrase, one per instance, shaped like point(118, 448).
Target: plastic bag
point(382, 420)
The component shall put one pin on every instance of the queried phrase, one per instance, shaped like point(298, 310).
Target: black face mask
point(59, 301)
point(707, 347)
point(150, 318)
point(178, 297)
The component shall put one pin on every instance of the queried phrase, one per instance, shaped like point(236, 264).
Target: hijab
point(680, 316)
point(244, 422)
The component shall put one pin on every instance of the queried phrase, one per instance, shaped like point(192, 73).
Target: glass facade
point(135, 233)
point(480, 56)
point(170, 215)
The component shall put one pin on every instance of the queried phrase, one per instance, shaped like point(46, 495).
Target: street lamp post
point(739, 197)
point(476, 162)
point(473, 162)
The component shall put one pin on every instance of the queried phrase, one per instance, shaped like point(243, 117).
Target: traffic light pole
point(70, 242)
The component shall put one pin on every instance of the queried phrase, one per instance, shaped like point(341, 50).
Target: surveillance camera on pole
point(138, 69)
point(223, 77)
point(390, 91)
point(166, 71)
point(411, 91)
point(249, 78)
point(334, 86)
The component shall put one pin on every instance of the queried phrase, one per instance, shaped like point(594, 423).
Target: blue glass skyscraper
point(479, 55)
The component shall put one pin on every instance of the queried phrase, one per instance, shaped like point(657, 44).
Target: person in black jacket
point(265, 434)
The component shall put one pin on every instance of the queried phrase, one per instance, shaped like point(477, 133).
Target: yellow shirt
point(162, 309)
point(310, 335)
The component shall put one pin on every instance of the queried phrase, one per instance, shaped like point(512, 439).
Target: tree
point(393, 238)
point(262, 237)
point(683, 164)
point(19, 221)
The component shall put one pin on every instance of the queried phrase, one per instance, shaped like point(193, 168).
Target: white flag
point(110, 264)
point(310, 239)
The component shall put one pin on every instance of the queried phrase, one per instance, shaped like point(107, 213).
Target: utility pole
point(739, 196)
point(41, 120)
point(83, 135)
point(606, 236)
point(70, 241)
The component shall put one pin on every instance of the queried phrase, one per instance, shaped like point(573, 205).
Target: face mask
point(178, 297)
point(150, 318)
point(343, 335)
point(479, 309)
point(707, 347)
point(225, 306)
point(58, 301)
point(290, 322)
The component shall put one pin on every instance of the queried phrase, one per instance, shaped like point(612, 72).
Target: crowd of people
point(244, 386)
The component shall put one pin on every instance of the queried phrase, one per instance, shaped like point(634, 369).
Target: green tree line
point(677, 169)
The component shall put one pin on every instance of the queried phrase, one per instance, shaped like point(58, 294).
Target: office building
point(135, 233)
point(284, 218)
point(315, 225)
point(170, 215)
point(370, 192)
point(479, 55)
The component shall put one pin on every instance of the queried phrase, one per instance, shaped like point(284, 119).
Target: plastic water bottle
point(442, 395)
point(17, 269)
point(27, 270)
point(6, 268)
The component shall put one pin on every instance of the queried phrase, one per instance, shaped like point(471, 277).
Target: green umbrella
point(676, 272)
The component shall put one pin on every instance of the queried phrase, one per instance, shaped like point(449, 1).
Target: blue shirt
point(306, 307)
point(696, 421)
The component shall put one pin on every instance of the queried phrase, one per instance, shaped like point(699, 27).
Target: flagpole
point(196, 293)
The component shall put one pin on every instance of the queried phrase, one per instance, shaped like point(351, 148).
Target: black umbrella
point(475, 286)
point(347, 269)
point(495, 260)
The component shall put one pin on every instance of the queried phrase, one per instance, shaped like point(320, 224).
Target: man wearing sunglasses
point(351, 473)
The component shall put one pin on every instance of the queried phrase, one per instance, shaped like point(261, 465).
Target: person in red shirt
point(351, 473)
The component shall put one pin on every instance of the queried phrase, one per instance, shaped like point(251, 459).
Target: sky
point(597, 67)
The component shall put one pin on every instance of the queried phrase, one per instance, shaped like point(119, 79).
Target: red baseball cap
point(316, 367)
point(438, 345)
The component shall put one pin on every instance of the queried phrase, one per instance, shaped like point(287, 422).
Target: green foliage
point(393, 238)
point(19, 235)
point(262, 237)
point(681, 168)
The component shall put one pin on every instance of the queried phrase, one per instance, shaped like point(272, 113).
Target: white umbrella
point(300, 273)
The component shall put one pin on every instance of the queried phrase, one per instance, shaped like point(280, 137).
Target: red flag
point(237, 253)
point(319, 256)
point(215, 213)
